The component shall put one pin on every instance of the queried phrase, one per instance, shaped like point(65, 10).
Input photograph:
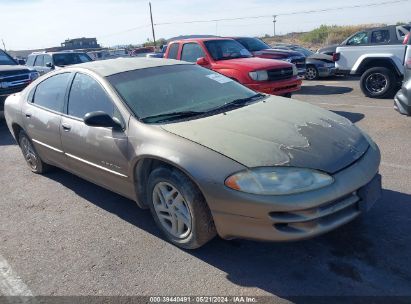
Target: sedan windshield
point(6, 59)
point(70, 58)
point(253, 44)
point(178, 92)
point(226, 49)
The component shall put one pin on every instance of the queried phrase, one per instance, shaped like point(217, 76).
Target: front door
point(95, 153)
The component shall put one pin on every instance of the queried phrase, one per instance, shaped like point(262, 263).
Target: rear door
point(95, 153)
point(42, 113)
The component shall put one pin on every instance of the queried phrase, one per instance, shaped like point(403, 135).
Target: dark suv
point(13, 77)
point(260, 49)
point(45, 62)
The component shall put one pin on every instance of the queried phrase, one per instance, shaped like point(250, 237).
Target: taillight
point(406, 39)
point(408, 63)
point(336, 57)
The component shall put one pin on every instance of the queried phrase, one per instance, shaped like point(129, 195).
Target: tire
point(30, 154)
point(379, 82)
point(311, 73)
point(179, 209)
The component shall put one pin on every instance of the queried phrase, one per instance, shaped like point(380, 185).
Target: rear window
point(70, 58)
point(173, 53)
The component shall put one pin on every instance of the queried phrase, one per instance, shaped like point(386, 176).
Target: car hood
point(277, 54)
point(278, 132)
point(6, 69)
point(252, 64)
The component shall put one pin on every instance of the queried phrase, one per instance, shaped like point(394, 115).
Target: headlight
point(330, 65)
point(295, 70)
point(278, 180)
point(259, 75)
point(34, 75)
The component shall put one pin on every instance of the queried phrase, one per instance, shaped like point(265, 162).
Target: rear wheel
point(30, 154)
point(311, 73)
point(179, 209)
point(379, 82)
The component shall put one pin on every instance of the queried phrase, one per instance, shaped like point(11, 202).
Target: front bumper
point(277, 87)
point(299, 216)
point(402, 101)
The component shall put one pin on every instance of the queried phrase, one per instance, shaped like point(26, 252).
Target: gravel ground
point(63, 236)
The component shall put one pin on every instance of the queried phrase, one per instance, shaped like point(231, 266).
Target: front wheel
point(311, 73)
point(179, 209)
point(379, 82)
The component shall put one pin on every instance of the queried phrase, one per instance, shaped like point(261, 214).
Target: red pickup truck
point(228, 57)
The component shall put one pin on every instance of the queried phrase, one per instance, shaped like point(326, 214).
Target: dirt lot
point(60, 235)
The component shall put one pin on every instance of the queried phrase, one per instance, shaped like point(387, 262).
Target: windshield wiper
point(171, 116)
point(238, 103)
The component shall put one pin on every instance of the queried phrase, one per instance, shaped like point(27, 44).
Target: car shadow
point(352, 116)
point(5, 137)
point(369, 256)
point(321, 90)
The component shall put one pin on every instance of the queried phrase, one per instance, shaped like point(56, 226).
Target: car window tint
point(382, 36)
point(172, 54)
point(47, 59)
point(39, 60)
point(87, 95)
point(191, 52)
point(30, 60)
point(50, 93)
point(358, 39)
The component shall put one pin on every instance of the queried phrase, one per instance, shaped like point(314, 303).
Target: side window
point(191, 52)
point(358, 39)
point(87, 95)
point(172, 54)
point(39, 60)
point(50, 93)
point(47, 59)
point(30, 60)
point(381, 36)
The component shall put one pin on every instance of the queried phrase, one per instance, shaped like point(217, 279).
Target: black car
point(260, 49)
point(13, 77)
point(402, 101)
point(318, 65)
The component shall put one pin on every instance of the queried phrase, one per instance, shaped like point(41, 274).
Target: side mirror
point(101, 119)
point(49, 65)
point(203, 61)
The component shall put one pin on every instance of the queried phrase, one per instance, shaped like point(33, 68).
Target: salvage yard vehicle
point(260, 49)
point(378, 57)
point(206, 154)
point(230, 58)
point(13, 78)
point(44, 62)
point(317, 65)
point(402, 101)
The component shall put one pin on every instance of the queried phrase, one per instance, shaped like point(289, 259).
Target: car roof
point(119, 65)
point(200, 39)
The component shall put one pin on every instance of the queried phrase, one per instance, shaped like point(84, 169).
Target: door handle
point(66, 127)
point(28, 115)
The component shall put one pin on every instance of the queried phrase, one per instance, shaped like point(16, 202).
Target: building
point(80, 43)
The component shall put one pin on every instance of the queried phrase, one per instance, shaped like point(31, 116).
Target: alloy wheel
point(29, 153)
point(311, 73)
point(376, 83)
point(172, 210)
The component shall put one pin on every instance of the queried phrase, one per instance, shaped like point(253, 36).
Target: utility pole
point(152, 25)
point(4, 45)
point(274, 22)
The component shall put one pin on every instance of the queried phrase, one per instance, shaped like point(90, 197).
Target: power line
point(287, 14)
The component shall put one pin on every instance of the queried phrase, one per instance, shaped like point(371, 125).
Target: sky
point(36, 24)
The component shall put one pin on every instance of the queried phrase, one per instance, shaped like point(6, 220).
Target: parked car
point(142, 51)
point(206, 154)
point(402, 101)
point(13, 78)
point(44, 62)
point(317, 65)
point(233, 60)
point(388, 35)
point(260, 49)
point(160, 54)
